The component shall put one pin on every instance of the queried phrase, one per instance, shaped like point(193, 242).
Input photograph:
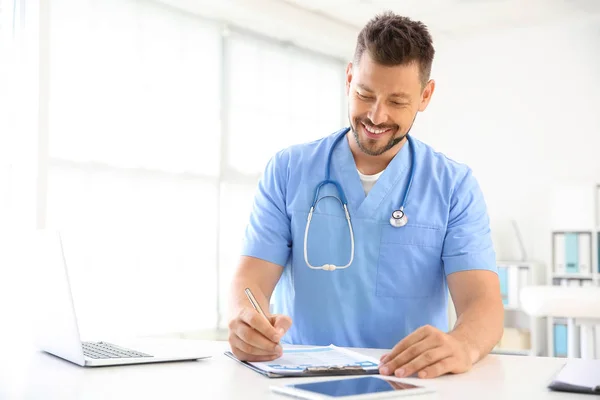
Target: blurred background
point(142, 127)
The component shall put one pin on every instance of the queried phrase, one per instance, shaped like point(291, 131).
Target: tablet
point(363, 388)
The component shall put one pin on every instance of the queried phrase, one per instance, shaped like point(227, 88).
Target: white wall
point(279, 20)
point(522, 108)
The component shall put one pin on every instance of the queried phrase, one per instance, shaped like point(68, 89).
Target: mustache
point(368, 122)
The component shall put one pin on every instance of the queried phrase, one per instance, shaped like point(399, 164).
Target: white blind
point(3, 16)
point(6, 54)
point(133, 144)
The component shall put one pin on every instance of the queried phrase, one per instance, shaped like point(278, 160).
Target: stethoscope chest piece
point(398, 219)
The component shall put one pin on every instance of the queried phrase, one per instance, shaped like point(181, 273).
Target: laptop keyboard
point(107, 350)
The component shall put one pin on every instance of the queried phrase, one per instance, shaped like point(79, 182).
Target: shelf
point(573, 276)
point(516, 263)
point(512, 352)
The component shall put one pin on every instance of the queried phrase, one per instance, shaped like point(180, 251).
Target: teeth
point(374, 130)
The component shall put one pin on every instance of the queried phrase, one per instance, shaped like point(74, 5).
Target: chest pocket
point(410, 263)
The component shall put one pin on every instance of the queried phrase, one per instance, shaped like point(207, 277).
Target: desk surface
point(33, 375)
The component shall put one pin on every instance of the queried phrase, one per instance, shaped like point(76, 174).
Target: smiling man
point(357, 237)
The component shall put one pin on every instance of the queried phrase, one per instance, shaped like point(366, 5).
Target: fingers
point(424, 360)
point(441, 367)
point(412, 353)
point(238, 343)
point(254, 339)
point(243, 356)
point(408, 341)
point(281, 323)
point(259, 323)
point(435, 354)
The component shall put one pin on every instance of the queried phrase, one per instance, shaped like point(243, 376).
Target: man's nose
point(378, 114)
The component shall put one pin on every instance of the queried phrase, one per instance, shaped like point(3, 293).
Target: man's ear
point(348, 78)
point(427, 94)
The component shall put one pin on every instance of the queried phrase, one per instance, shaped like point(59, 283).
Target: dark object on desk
point(578, 376)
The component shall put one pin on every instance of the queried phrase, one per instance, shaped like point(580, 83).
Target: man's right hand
point(253, 338)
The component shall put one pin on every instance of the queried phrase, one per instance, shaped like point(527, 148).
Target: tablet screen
point(354, 386)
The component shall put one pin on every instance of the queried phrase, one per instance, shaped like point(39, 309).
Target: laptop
point(57, 330)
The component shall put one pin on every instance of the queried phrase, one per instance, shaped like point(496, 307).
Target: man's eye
point(362, 96)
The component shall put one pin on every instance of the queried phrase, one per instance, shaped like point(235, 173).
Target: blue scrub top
point(397, 281)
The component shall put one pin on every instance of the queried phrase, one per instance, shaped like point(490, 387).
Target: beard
point(367, 146)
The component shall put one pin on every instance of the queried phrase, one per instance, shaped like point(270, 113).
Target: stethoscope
point(397, 220)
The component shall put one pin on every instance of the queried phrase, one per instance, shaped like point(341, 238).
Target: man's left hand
point(428, 352)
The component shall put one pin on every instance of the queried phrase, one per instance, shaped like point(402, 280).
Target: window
point(151, 187)
point(134, 136)
point(277, 96)
point(6, 68)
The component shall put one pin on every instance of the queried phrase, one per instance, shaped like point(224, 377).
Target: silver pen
point(255, 304)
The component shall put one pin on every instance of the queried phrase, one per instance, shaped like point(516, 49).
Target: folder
point(571, 253)
point(560, 340)
point(314, 361)
point(574, 282)
point(585, 253)
point(559, 253)
point(598, 205)
point(523, 279)
point(513, 286)
point(578, 376)
point(598, 247)
point(597, 335)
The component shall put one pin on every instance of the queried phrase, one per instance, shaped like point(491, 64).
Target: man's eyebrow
point(365, 88)
point(402, 95)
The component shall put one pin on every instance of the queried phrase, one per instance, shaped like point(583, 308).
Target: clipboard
point(311, 371)
point(578, 376)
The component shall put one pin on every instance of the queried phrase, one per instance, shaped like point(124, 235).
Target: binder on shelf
point(571, 253)
point(560, 339)
point(585, 253)
point(598, 247)
point(597, 334)
point(564, 282)
point(513, 286)
point(598, 205)
point(515, 339)
point(574, 282)
point(559, 253)
point(523, 279)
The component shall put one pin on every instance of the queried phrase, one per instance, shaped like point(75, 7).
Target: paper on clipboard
point(322, 360)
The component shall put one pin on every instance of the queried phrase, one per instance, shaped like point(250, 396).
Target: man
point(389, 289)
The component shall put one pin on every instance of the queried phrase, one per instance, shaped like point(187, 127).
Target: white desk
point(37, 375)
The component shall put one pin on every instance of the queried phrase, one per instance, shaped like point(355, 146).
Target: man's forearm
point(238, 297)
point(480, 327)
point(258, 275)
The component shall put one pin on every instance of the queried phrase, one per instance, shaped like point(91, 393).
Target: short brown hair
point(391, 40)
